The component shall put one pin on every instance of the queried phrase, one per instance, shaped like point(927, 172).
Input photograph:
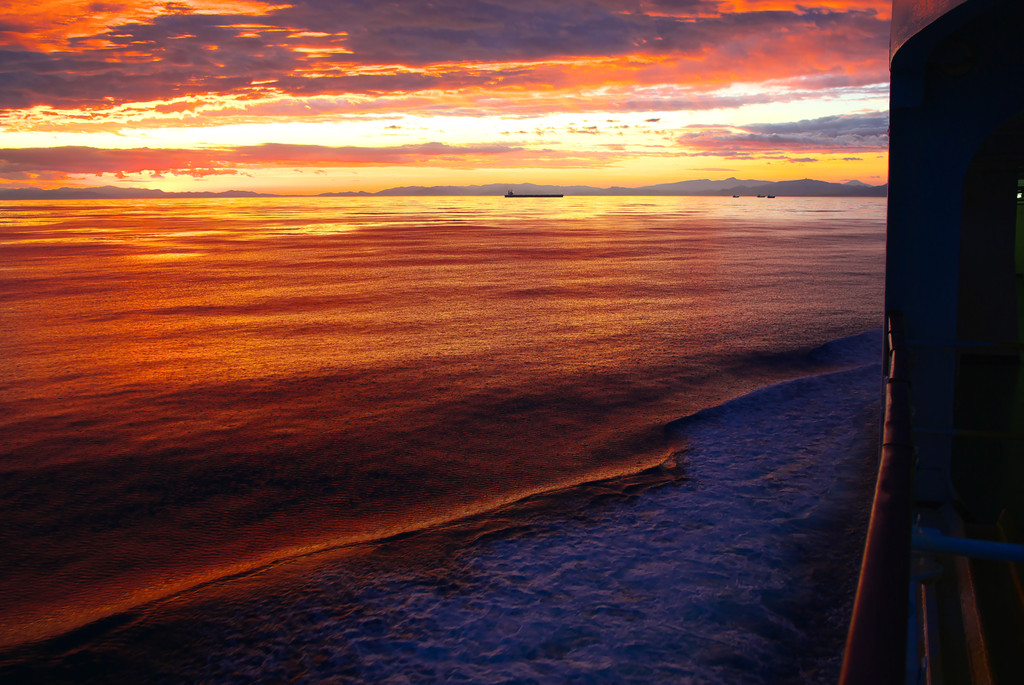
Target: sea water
point(431, 440)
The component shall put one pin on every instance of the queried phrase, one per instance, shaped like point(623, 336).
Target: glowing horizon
point(310, 96)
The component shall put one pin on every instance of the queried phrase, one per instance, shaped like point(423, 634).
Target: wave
point(734, 562)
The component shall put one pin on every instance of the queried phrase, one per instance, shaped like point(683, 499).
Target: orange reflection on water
point(310, 373)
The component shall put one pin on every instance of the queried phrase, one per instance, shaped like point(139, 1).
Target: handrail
point(876, 643)
point(925, 540)
point(996, 345)
point(971, 433)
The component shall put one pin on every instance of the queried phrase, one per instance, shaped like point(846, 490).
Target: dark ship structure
point(941, 593)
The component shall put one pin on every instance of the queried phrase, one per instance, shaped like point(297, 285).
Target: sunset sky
point(311, 96)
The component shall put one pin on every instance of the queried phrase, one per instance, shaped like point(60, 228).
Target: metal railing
point(877, 640)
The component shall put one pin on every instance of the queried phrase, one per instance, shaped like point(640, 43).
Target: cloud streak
point(63, 161)
point(832, 134)
point(826, 135)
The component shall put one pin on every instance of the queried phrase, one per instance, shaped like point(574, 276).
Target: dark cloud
point(842, 133)
point(846, 127)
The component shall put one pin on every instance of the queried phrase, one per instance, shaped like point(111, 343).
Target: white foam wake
point(741, 572)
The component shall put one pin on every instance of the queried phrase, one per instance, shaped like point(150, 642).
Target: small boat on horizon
point(511, 194)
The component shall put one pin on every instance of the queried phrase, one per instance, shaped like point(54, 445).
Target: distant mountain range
point(730, 186)
point(110, 193)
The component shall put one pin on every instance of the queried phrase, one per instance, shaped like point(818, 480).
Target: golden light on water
point(199, 387)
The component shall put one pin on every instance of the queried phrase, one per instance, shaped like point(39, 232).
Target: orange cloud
point(882, 7)
point(52, 25)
